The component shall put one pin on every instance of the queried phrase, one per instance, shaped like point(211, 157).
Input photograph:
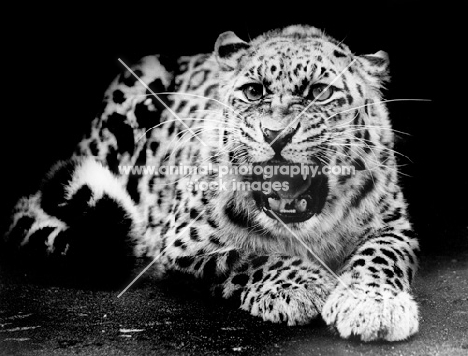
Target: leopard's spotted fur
point(201, 115)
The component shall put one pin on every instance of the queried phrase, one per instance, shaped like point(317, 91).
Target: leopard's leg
point(377, 304)
point(82, 200)
point(280, 288)
point(277, 288)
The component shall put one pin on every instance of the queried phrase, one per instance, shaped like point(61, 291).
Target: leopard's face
point(298, 102)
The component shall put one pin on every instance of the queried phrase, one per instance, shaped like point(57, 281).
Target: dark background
point(58, 62)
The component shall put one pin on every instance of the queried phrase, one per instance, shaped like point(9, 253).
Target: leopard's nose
point(271, 135)
point(278, 138)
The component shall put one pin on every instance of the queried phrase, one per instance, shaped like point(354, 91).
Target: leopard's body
point(207, 109)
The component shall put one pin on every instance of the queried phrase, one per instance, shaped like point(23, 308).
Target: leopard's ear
point(377, 66)
point(228, 47)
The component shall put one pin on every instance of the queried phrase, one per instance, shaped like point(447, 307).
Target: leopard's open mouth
point(292, 197)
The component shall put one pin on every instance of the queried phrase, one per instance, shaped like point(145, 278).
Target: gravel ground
point(40, 316)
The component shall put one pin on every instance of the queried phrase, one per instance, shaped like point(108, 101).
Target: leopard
point(189, 163)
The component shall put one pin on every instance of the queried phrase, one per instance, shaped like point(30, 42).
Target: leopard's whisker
point(186, 132)
point(182, 119)
point(365, 141)
point(202, 97)
point(360, 127)
point(347, 134)
point(176, 140)
point(376, 164)
point(373, 103)
point(220, 112)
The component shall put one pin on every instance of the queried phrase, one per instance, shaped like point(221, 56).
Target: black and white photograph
point(224, 179)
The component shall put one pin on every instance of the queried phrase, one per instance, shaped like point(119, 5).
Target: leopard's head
point(298, 99)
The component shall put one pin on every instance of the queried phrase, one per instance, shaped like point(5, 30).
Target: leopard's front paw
point(296, 305)
point(371, 313)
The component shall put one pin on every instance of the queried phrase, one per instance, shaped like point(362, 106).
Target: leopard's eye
point(253, 91)
point(321, 92)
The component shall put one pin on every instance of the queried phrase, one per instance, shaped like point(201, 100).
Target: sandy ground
point(43, 317)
